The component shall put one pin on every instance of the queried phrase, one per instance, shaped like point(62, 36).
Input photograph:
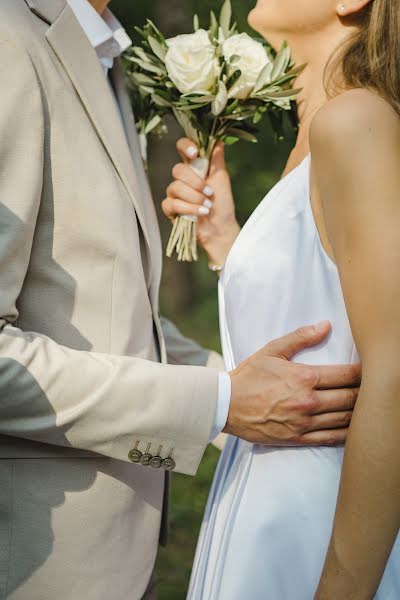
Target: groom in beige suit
point(92, 417)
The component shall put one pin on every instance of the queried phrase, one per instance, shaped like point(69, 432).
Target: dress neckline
point(307, 159)
point(286, 177)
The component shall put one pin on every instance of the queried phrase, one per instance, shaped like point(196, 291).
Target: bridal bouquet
point(217, 83)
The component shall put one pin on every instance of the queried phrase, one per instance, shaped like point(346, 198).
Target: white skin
point(277, 402)
point(354, 140)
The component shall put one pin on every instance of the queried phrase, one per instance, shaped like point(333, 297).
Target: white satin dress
point(268, 520)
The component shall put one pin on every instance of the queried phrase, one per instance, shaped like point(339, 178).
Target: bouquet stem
point(183, 238)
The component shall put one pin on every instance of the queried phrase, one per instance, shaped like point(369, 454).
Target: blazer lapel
point(48, 10)
point(141, 181)
point(82, 65)
point(118, 80)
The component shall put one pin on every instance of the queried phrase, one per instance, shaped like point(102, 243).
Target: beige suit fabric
point(80, 335)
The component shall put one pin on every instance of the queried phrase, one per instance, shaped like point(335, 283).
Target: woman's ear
point(351, 7)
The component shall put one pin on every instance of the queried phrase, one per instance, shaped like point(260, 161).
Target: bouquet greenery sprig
point(218, 83)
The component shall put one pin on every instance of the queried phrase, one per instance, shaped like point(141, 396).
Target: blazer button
point(168, 464)
point(135, 455)
point(145, 459)
point(156, 462)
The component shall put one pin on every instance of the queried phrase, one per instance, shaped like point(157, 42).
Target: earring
point(342, 8)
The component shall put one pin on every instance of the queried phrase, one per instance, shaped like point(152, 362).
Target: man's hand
point(276, 402)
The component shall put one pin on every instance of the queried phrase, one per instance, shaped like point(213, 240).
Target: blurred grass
point(189, 291)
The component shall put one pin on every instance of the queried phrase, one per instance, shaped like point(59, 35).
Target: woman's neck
point(313, 93)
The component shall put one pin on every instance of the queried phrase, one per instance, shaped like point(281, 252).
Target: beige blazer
point(83, 351)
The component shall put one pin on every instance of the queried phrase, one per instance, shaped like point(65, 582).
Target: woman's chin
point(257, 21)
point(253, 18)
point(260, 19)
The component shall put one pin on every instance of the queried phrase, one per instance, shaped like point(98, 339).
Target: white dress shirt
point(107, 36)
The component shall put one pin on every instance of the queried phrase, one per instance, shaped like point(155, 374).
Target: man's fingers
point(326, 437)
point(336, 420)
point(187, 149)
point(304, 337)
point(331, 401)
point(338, 376)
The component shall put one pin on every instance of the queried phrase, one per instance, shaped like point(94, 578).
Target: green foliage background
point(189, 292)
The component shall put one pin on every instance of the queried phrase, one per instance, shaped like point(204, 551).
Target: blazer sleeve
point(184, 351)
point(57, 395)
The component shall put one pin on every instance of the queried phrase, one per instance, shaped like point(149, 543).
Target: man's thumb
point(304, 337)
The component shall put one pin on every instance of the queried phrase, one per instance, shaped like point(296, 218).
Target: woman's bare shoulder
point(353, 120)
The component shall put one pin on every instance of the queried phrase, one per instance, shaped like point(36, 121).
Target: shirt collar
point(105, 33)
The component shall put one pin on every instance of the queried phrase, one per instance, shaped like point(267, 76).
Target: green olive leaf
point(226, 17)
point(242, 134)
point(152, 124)
point(281, 62)
point(160, 101)
point(159, 50)
point(146, 66)
point(221, 100)
point(264, 77)
point(142, 79)
point(213, 24)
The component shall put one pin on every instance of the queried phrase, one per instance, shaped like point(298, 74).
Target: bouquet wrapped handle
point(183, 238)
point(200, 166)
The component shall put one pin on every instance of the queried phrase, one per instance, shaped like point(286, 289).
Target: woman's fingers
point(187, 149)
point(186, 174)
point(174, 206)
point(178, 189)
point(218, 159)
point(189, 194)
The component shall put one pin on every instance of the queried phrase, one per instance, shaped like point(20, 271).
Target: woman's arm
point(355, 142)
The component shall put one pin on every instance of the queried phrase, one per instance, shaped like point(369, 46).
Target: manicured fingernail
point(203, 210)
point(191, 152)
point(208, 191)
point(207, 203)
point(321, 326)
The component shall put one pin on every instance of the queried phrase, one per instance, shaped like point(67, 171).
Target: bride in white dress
point(327, 231)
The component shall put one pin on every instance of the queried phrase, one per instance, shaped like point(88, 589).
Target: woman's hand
point(209, 199)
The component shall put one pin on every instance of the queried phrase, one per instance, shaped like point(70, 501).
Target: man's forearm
point(103, 403)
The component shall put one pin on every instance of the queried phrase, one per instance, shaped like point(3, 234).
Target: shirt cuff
point(223, 404)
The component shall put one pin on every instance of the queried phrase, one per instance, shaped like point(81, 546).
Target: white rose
point(253, 58)
point(191, 62)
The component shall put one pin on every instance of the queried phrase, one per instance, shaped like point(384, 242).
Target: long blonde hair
point(371, 59)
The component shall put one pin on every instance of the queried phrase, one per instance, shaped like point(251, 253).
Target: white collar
point(105, 33)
